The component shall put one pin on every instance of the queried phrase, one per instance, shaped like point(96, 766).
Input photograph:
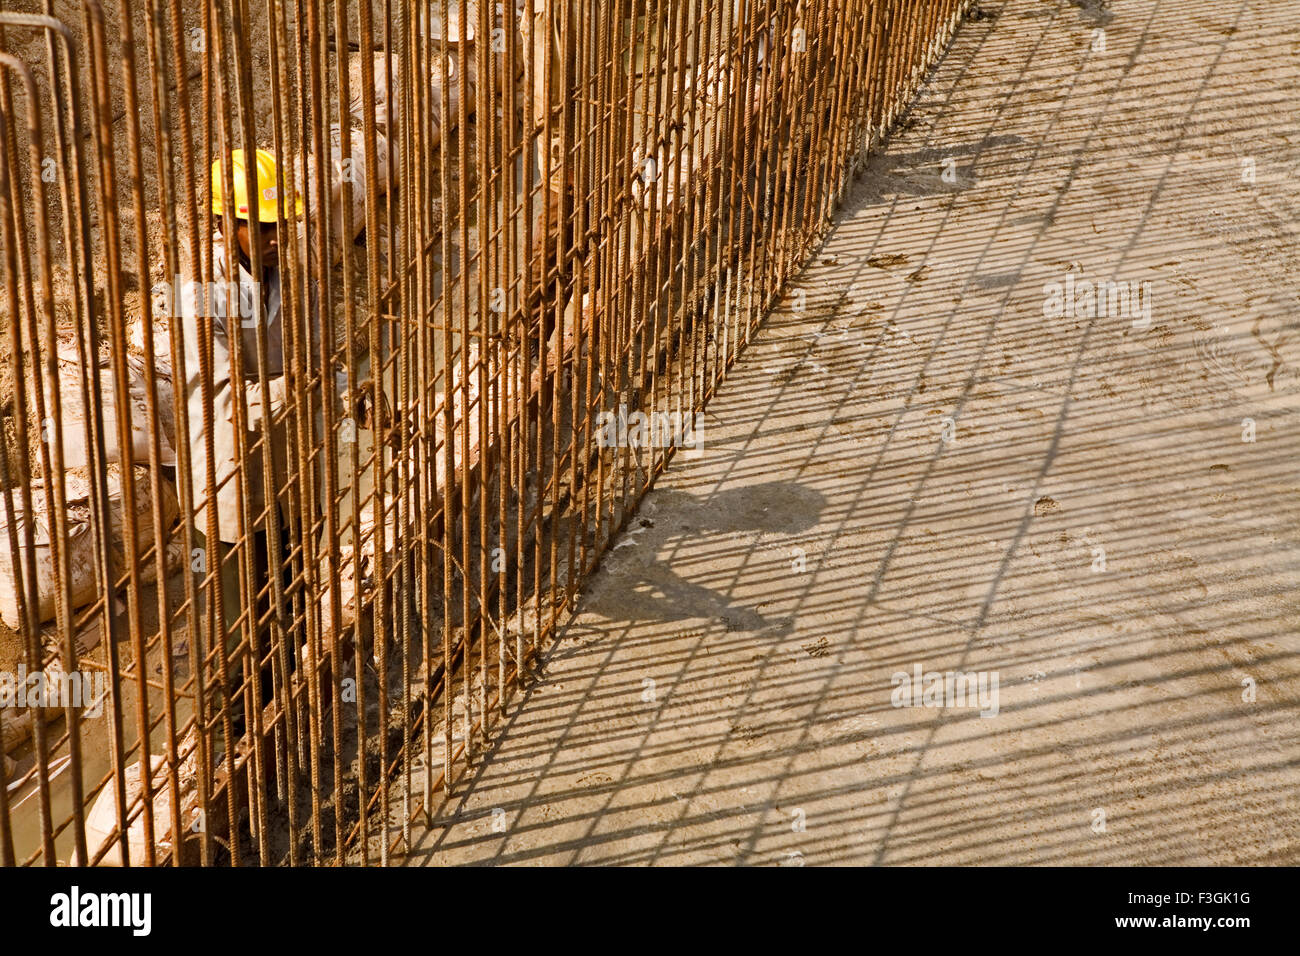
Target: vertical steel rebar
point(572, 215)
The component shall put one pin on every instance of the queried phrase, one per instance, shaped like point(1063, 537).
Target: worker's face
point(267, 239)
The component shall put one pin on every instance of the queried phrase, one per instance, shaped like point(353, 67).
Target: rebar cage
point(268, 584)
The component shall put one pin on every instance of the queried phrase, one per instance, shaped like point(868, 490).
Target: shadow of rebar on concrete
point(1101, 512)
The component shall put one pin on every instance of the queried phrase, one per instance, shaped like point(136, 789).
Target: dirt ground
point(920, 464)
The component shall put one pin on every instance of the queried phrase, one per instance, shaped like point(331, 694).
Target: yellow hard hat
point(267, 189)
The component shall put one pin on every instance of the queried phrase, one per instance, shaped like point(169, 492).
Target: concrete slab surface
point(920, 464)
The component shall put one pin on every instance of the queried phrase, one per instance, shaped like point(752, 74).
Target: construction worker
point(240, 301)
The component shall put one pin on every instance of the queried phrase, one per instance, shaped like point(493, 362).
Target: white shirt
point(258, 302)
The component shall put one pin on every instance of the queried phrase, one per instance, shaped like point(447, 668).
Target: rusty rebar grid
point(312, 561)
